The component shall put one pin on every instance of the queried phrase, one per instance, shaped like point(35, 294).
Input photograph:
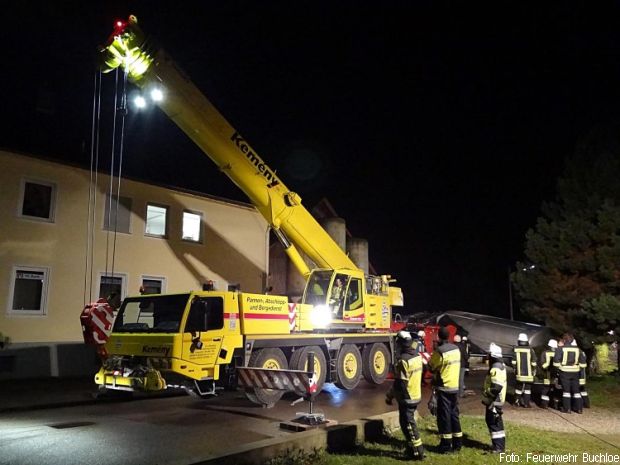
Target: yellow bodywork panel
point(264, 314)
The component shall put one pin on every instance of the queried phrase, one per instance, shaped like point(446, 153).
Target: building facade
point(58, 253)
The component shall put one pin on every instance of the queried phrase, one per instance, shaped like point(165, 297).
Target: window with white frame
point(119, 219)
point(113, 288)
point(192, 226)
point(29, 290)
point(156, 220)
point(38, 200)
point(153, 285)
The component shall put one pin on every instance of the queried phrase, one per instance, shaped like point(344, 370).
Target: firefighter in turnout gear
point(567, 360)
point(585, 399)
point(445, 364)
point(493, 397)
point(548, 372)
point(524, 364)
point(407, 390)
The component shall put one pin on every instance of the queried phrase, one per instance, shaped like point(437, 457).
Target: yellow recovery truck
point(198, 339)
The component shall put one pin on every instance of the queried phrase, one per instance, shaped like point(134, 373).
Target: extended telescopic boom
point(295, 227)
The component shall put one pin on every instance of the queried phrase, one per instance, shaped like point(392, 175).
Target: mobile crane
point(198, 339)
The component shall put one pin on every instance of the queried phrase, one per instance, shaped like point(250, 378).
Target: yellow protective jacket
point(495, 385)
point(524, 363)
point(445, 363)
point(408, 378)
point(547, 365)
point(568, 359)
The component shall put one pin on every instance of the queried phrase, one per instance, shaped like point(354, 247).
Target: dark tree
point(570, 279)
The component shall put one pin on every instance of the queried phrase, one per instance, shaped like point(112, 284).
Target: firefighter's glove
point(432, 405)
point(487, 401)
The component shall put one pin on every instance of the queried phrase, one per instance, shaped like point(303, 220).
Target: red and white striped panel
point(425, 357)
point(97, 319)
point(283, 380)
point(292, 315)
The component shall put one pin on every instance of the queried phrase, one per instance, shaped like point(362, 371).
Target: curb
point(337, 438)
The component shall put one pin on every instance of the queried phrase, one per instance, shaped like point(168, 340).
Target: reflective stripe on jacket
point(445, 363)
point(408, 371)
point(567, 359)
point(524, 363)
point(495, 384)
point(547, 365)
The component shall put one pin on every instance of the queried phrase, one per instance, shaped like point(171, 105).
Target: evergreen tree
point(570, 280)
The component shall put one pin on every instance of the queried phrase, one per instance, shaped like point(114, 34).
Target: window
point(206, 313)
point(162, 314)
point(119, 220)
point(153, 285)
point(354, 296)
point(192, 226)
point(29, 291)
point(113, 288)
point(38, 200)
point(156, 220)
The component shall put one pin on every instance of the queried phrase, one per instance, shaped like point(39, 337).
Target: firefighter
point(547, 372)
point(445, 364)
point(464, 363)
point(585, 399)
point(407, 390)
point(524, 364)
point(493, 397)
point(567, 360)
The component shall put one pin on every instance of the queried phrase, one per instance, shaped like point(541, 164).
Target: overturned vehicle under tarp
point(481, 330)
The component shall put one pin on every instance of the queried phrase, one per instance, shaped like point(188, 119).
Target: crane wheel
point(299, 361)
point(273, 359)
point(349, 366)
point(375, 362)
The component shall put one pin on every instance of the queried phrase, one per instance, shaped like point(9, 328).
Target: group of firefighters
point(563, 370)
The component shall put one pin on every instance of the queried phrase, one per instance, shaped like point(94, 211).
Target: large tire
point(375, 362)
point(299, 361)
point(349, 367)
point(266, 358)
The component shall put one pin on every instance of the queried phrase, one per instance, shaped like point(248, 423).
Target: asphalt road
point(172, 430)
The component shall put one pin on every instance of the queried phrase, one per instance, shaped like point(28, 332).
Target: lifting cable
point(92, 189)
point(120, 106)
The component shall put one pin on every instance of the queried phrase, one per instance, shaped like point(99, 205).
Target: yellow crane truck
point(198, 339)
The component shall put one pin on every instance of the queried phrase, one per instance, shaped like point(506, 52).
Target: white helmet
point(421, 333)
point(464, 338)
point(553, 343)
point(404, 337)
point(495, 351)
point(522, 337)
point(457, 338)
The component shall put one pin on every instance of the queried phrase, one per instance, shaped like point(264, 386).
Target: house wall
point(233, 249)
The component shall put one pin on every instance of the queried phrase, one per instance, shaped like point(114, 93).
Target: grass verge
point(604, 391)
point(521, 440)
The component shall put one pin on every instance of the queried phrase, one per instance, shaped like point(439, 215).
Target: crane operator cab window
point(339, 295)
point(317, 287)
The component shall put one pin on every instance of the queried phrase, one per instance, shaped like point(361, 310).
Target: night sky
point(435, 130)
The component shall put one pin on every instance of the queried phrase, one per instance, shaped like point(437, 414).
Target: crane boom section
point(185, 104)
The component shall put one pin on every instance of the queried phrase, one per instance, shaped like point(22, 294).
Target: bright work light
point(321, 316)
point(157, 95)
point(139, 101)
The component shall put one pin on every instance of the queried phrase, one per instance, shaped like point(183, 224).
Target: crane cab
point(345, 298)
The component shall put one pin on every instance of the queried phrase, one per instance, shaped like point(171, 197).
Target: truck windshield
point(157, 314)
